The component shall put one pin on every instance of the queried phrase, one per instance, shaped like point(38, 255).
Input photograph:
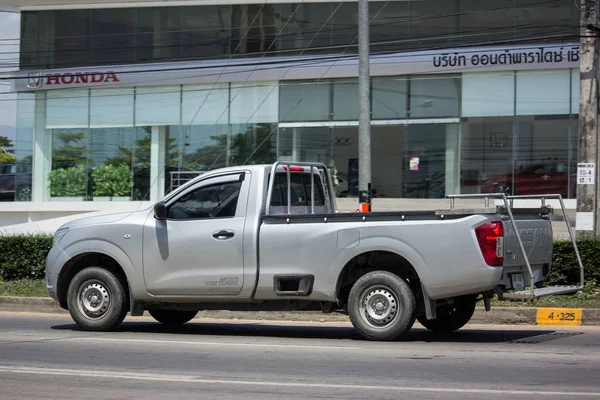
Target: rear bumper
point(471, 282)
point(540, 273)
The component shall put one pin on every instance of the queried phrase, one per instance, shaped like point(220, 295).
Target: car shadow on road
point(417, 334)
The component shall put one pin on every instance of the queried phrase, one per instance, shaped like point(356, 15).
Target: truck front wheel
point(381, 306)
point(97, 300)
point(172, 317)
point(450, 317)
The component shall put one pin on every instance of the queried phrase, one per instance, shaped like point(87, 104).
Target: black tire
point(394, 296)
point(106, 304)
point(450, 317)
point(172, 317)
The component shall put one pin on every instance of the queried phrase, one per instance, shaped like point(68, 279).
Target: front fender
point(134, 276)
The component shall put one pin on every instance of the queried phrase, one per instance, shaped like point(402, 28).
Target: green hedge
point(24, 257)
point(565, 269)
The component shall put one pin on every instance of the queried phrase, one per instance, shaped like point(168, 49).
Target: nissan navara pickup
point(269, 237)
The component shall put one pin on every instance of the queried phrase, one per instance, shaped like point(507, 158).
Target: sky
point(9, 29)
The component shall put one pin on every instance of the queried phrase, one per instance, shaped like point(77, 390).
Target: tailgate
point(536, 235)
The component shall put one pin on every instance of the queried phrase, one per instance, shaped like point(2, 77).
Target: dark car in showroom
point(546, 177)
point(15, 178)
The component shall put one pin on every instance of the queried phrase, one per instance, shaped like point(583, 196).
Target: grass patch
point(24, 288)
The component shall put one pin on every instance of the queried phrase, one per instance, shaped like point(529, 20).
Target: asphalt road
point(46, 357)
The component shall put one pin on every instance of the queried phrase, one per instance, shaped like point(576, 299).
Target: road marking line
point(559, 316)
point(155, 341)
point(198, 380)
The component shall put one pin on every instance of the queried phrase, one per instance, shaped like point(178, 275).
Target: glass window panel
point(206, 31)
point(305, 144)
point(67, 109)
point(112, 37)
point(24, 144)
point(344, 25)
point(542, 162)
point(254, 102)
point(204, 147)
point(543, 92)
point(487, 21)
point(345, 101)
point(575, 91)
point(254, 28)
point(158, 33)
point(309, 25)
point(115, 153)
point(389, 98)
point(536, 18)
point(70, 31)
point(159, 105)
point(434, 96)
point(306, 101)
point(253, 144)
point(205, 104)
point(488, 94)
point(486, 164)
point(428, 160)
point(389, 22)
point(434, 23)
point(69, 176)
point(140, 155)
point(111, 108)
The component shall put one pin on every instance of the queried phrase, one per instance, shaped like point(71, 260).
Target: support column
point(452, 167)
point(42, 151)
point(157, 162)
point(587, 194)
point(364, 116)
point(295, 145)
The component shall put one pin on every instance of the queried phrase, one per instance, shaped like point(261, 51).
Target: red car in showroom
point(547, 177)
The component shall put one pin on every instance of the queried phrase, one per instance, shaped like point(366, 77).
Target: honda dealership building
point(467, 96)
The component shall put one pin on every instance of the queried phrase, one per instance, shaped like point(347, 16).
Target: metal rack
point(533, 293)
point(313, 166)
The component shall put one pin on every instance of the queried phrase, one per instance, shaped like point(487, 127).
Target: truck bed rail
point(532, 293)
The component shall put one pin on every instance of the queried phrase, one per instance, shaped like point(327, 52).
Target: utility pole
point(364, 116)
point(587, 169)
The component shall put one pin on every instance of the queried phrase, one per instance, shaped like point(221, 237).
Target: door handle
point(223, 235)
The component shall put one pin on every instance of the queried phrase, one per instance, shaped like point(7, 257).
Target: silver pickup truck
point(268, 237)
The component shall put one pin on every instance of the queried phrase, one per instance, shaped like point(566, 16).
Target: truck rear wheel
point(97, 300)
point(381, 306)
point(172, 317)
point(450, 317)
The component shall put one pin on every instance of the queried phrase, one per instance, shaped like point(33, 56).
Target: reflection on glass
point(102, 164)
point(425, 160)
point(523, 156)
point(253, 144)
point(305, 144)
point(69, 176)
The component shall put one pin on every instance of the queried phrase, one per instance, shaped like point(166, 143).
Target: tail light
point(294, 168)
point(491, 242)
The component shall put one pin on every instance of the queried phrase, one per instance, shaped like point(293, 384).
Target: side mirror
point(160, 211)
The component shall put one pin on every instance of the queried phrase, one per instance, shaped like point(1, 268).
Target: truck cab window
point(300, 193)
point(213, 201)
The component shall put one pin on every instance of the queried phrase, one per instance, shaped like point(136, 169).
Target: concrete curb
point(497, 316)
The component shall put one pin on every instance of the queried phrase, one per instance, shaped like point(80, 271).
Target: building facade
point(468, 96)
